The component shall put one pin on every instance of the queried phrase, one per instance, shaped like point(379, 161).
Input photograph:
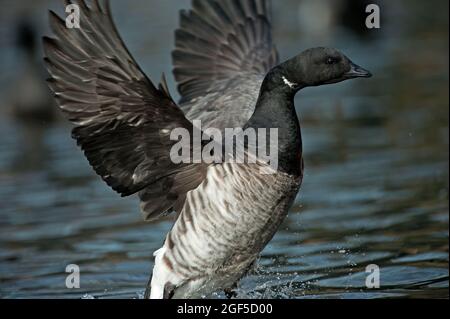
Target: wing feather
point(122, 121)
point(223, 51)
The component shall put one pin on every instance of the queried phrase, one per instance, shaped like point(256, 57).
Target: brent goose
point(229, 76)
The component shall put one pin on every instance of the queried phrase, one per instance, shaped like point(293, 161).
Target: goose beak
point(357, 72)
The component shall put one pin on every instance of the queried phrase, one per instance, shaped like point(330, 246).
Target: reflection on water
point(375, 190)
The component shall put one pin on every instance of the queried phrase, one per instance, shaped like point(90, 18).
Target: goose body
point(212, 244)
point(229, 76)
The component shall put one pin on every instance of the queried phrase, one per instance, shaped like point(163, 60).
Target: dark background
point(376, 184)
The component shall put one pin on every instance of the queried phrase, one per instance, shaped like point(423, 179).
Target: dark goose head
point(317, 66)
point(275, 107)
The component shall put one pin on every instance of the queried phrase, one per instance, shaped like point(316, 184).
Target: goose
point(229, 76)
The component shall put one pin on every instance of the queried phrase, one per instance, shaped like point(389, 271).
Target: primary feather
point(223, 51)
point(123, 122)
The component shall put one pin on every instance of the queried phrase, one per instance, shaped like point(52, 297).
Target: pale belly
point(224, 225)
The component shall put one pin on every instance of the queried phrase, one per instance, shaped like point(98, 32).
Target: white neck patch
point(289, 83)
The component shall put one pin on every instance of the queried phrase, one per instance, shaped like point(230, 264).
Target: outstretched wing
point(123, 122)
point(223, 51)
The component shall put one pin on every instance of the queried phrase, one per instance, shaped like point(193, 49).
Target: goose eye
point(331, 60)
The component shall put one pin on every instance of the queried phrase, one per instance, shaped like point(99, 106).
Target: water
point(375, 189)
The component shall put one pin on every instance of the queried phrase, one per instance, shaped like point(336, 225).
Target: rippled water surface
point(375, 189)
